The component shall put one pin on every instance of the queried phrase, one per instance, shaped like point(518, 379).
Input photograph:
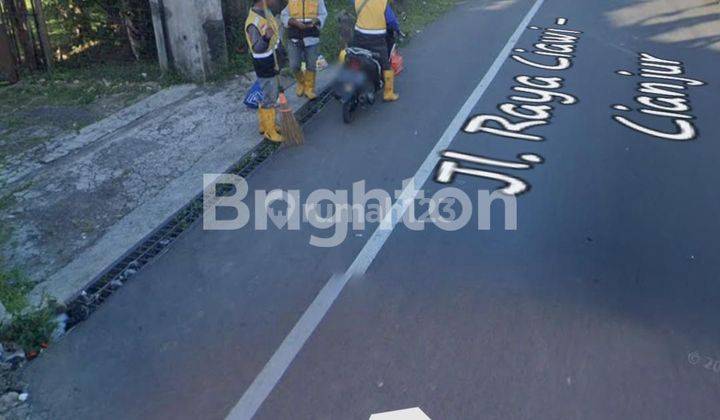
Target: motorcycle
point(358, 82)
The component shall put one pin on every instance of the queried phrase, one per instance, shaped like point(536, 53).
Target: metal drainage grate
point(115, 276)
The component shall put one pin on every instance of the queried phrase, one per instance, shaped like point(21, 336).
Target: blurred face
point(273, 5)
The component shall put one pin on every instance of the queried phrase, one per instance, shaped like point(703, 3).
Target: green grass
point(14, 288)
point(416, 14)
point(331, 42)
point(14, 285)
point(31, 331)
point(82, 86)
point(28, 329)
point(73, 87)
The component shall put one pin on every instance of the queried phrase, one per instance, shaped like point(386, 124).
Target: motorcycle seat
point(362, 52)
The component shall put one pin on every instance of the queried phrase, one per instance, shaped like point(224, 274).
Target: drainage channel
point(156, 243)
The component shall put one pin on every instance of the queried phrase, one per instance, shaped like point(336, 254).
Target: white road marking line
point(275, 368)
point(407, 414)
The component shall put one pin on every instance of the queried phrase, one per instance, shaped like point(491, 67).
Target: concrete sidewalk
point(80, 202)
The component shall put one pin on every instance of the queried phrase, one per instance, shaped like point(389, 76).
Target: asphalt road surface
point(602, 304)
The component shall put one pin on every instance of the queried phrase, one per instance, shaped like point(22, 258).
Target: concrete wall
point(194, 34)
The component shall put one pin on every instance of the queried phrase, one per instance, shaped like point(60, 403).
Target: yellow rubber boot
point(310, 85)
point(389, 95)
point(300, 84)
point(261, 121)
point(268, 117)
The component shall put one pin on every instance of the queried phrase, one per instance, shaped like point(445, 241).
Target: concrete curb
point(66, 284)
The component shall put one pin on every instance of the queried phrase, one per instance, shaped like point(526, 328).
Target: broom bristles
point(289, 126)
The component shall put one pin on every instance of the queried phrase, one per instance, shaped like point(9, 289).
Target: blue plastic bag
point(255, 96)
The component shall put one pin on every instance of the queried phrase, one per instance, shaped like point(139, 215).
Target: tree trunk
point(133, 38)
point(43, 34)
point(8, 66)
point(156, 10)
point(18, 16)
point(130, 31)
